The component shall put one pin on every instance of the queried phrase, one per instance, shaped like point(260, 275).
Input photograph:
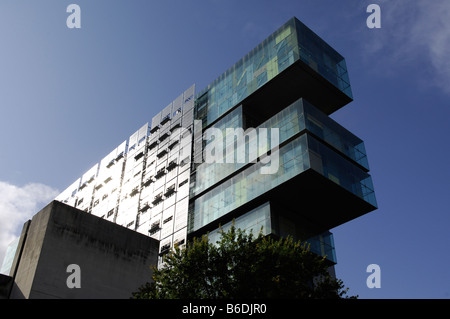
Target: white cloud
point(17, 205)
point(415, 34)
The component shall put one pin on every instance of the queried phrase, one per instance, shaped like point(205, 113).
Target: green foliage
point(242, 266)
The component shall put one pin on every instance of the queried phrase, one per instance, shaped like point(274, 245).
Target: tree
point(242, 266)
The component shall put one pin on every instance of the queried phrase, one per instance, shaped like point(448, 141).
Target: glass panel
point(334, 134)
point(249, 184)
point(322, 58)
point(251, 221)
point(294, 158)
point(323, 245)
point(289, 122)
point(291, 42)
point(341, 171)
point(9, 257)
point(258, 67)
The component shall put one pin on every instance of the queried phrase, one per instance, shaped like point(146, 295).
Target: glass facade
point(288, 121)
point(290, 43)
point(340, 170)
point(323, 245)
point(9, 257)
point(322, 58)
point(258, 67)
point(259, 220)
point(254, 221)
point(295, 157)
point(248, 184)
point(295, 118)
point(334, 134)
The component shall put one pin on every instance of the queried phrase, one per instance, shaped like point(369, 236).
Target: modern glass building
point(291, 82)
point(160, 183)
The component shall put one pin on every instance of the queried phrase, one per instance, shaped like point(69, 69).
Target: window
point(144, 207)
point(167, 219)
point(164, 136)
point(173, 128)
point(142, 139)
point(177, 112)
point(160, 173)
point(179, 242)
point(165, 119)
point(154, 228)
point(162, 153)
point(188, 99)
point(138, 156)
point(184, 161)
point(158, 199)
point(172, 145)
point(148, 181)
point(110, 213)
point(165, 249)
point(153, 145)
point(183, 182)
point(135, 191)
point(170, 191)
point(171, 165)
point(154, 129)
point(119, 156)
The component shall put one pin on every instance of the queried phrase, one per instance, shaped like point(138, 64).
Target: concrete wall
point(114, 261)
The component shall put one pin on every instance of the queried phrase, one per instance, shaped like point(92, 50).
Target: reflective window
point(258, 67)
point(340, 170)
point(334, 134)
point(290, 121)
point(255, 221)
point(249, 184)
point(293, 41)
point(323, 245)
point(295, 157)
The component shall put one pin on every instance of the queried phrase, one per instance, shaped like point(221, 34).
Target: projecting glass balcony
point(290, 43)
point(299, 155)
point(294, 119)
point(259, 220)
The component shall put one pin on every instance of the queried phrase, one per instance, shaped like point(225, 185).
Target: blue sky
point(70, 96)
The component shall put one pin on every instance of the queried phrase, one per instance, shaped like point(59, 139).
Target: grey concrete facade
point(113, 260)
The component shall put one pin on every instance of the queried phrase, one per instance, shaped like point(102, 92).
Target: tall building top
point(293, 46)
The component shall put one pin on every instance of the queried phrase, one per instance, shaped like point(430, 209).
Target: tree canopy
point(240, 265)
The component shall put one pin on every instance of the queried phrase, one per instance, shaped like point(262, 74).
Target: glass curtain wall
point(295, 118)
point(295, 157)
point(290, 43)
